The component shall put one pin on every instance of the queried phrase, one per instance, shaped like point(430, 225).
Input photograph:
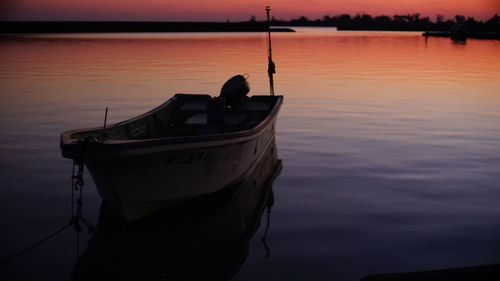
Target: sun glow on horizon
point(237, 10)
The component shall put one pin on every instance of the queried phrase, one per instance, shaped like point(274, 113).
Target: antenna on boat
point(105, 119)
point(271, 67)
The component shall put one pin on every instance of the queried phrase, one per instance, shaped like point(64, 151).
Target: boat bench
point(191, 118)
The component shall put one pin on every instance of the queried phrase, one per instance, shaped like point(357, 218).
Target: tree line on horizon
point(397, 22)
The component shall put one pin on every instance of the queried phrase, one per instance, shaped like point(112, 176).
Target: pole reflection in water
point(206, 238)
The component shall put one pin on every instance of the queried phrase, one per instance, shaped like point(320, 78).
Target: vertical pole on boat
point(271, 67)
point(105, 119)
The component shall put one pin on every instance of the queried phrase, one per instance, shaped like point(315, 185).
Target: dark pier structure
point(108, 27)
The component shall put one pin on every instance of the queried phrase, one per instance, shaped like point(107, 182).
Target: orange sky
point(234, 10)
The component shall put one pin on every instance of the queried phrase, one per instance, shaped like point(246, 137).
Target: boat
point(206, 238)
point(458, 33)
point(191, 145)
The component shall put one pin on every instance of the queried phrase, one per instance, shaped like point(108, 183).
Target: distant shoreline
point(17, 27)
point(471, 35)
point(43, 27)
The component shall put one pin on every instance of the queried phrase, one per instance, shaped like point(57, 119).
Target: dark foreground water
point(390, 145)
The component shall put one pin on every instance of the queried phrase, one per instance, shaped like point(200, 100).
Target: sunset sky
point(234, 10)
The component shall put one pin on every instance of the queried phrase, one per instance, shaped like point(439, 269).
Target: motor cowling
point(234, 90)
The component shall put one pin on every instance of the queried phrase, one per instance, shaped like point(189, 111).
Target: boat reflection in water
point(206, 238)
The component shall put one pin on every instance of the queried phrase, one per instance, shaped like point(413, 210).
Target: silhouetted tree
point(366, 18)
point(344, 19)
point(459, 19)
point(327, 19)
point(416, 17)
point(439, 18)
point(397, 22)
point(398, 19)
point(383, 20)
point(494, 20)
point(425, 21)
point(302, 20)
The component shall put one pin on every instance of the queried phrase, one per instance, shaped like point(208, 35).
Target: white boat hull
point(140, 183)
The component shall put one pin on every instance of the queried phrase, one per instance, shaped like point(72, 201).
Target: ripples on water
point(390, 143)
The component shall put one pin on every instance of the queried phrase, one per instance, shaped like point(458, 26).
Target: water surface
point(389, 141)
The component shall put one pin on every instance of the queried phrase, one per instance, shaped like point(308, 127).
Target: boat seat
point(231, 119)
point(194, 105)
point(255, 106)
point(234, 118)
point(198, 118)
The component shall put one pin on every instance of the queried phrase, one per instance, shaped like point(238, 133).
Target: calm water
point(390, 143)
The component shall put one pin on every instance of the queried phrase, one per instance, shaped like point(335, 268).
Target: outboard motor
point(234, 90)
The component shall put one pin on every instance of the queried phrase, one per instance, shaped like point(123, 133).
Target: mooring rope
point(269, 206)
point(76, 185)
point(34, 245)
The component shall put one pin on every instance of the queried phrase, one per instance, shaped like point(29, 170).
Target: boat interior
point(188, 115)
